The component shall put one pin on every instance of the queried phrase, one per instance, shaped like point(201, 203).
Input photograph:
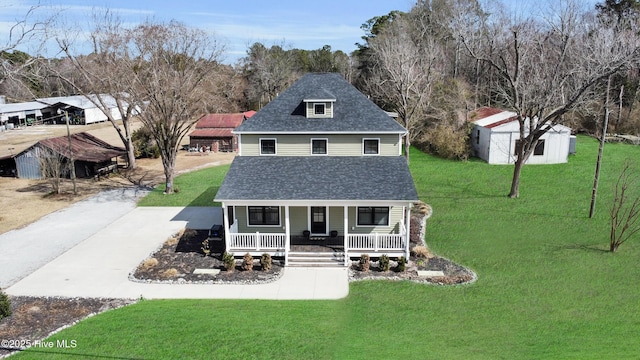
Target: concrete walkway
point(99, 266)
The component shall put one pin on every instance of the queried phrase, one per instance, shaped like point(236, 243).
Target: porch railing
point(257, 241)
point(376, 242)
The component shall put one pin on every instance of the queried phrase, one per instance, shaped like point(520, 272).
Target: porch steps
point(316, 259)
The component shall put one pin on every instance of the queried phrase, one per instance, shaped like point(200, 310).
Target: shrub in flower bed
point(421, 252)
point(206, 248)
point(247, 262)
point(365, 262)
point(5, 305)
point(229, 261)
point(402, 264)
point(384, 263)
point(266, 262)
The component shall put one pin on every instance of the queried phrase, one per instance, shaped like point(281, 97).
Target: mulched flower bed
point(453, 273)
point(35, 318)
point(179, 256)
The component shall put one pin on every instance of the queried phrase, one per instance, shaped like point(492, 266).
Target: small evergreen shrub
point(384, 263)
point(402, 264)
point(5, 305)
point(206, 248)
point(266, 262)
point(228, 261)
point(365, 262)
point(247, 262)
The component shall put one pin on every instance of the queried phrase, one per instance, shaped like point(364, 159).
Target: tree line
point(432, 65)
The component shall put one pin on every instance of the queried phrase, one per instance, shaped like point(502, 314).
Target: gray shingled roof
point(318, 178)
point(353, 112)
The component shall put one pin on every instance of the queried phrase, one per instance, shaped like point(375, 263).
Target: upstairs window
point(319, 109)
point(318, 146)
point(267, 146)
point(371, 146)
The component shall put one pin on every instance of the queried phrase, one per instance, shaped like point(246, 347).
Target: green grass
point(196, 188)
point(547, 289)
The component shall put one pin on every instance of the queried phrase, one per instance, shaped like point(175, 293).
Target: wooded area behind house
point(432, 65)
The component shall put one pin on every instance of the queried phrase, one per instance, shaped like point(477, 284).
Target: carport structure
point(91, 156)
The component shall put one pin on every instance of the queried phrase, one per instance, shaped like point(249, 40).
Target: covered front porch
point(351, 230)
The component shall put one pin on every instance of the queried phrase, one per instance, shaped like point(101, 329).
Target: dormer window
point(319, 104)
point(319, 109)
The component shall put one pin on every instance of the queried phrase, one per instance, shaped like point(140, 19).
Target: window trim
point(263, 209)
point(326, 146)
point(388, 210)
point(364, 148)
point(275, 146)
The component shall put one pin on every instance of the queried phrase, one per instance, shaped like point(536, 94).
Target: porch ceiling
point(327, 178)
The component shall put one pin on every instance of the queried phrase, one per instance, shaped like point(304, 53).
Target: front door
point(318, 220)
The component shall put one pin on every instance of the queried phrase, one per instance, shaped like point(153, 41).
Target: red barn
point(214, 132)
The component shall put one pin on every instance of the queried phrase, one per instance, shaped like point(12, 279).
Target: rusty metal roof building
point(88, 152)
point(85, 147)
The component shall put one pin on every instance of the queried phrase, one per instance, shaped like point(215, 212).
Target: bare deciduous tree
point(547, 68)
point(269, 71)
point(99, 75)
point(168, 69)
point(18, 69)
point(625, 209)
point(405, 67)
point(53, 165)
point(28, 29)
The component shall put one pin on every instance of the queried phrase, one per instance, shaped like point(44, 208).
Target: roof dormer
point(320, 104)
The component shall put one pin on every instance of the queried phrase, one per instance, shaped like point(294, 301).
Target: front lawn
point(546, 288)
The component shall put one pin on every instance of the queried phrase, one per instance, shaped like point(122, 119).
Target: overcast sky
point(237, 23)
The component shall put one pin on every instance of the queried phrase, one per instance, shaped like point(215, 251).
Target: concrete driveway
point(99, 265)
point(24, 250)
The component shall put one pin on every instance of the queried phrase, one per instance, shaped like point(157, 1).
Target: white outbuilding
point(81, 110)
point(496, 132)
point(18, 114)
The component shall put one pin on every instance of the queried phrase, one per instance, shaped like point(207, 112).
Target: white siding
point(499, 147)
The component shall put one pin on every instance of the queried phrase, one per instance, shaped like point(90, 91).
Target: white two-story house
point(320, 164)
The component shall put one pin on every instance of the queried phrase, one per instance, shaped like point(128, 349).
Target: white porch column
point(407, 230)
point(225, 220)
point(346, 235)
point(287, 235)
